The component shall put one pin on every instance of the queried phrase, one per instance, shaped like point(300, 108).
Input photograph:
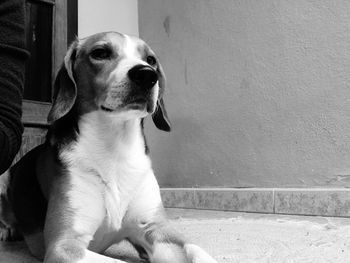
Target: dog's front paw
point(195, 254)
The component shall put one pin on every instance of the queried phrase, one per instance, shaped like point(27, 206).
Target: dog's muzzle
point(143, 76)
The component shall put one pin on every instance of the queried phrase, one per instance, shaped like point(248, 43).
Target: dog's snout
point(143, 76)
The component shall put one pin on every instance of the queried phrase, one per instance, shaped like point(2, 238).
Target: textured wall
point(107, 15)
point(259, 92)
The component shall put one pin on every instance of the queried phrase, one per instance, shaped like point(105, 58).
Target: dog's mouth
point(139, 103)
point(106, 109)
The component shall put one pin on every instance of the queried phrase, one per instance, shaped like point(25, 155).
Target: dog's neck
point(112, 133)
point(111, 146)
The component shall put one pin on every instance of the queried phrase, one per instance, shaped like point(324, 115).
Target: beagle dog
point(91, 184)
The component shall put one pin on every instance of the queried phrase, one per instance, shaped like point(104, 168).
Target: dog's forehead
point(129, 45)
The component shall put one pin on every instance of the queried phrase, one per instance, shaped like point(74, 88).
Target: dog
point(91, 184)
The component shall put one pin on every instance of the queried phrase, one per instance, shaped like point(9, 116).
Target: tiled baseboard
point(295, 201)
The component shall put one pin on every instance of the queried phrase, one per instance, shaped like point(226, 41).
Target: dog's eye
point(151, 60)
point(100, 53)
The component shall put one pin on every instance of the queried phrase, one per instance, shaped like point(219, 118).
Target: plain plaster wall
point(258, 92)
point(107, 15)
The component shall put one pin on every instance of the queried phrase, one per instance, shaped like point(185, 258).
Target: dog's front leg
point(151, 230)
point(75, 251)
point(165, 245)
point(73, 217)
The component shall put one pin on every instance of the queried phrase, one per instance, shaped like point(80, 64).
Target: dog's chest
point(117, 173)
point(111, 172)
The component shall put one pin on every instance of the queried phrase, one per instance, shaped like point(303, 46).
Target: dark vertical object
point(72, 17)
point(39, 44)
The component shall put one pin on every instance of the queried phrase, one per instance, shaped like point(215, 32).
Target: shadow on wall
point(175, 167)
point(185, 133)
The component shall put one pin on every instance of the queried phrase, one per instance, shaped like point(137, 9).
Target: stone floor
point(244, 238)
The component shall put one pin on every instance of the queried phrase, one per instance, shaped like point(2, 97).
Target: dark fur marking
point(28, 202)
point(144, 136)
point(64, 130)
point(140, 250)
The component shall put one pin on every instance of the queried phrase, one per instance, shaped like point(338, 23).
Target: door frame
point(65, 29)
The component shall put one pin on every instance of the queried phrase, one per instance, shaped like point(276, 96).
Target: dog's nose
point(144, 76)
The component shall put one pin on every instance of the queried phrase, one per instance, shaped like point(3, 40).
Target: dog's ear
point(160, 116)
point(65, 88)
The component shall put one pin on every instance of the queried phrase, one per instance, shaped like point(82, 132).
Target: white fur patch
point(130, 48)
point(195, 254)
point(92, 257)
point(147, 200)
point(168, 253)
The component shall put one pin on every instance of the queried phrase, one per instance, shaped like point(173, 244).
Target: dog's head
point(116, 74)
